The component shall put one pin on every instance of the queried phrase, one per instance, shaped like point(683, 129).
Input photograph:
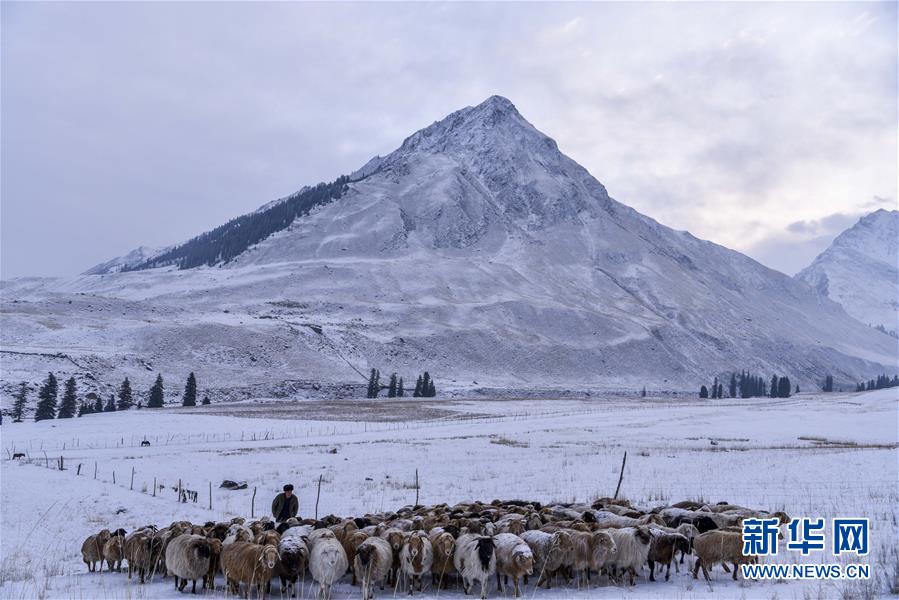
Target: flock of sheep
point(469, 543)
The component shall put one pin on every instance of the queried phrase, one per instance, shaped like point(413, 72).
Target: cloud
point(152, 122)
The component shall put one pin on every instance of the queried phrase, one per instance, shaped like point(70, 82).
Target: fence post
point(78, 471)
point(95, 469)
point(132, 479)
point(318, 495)
point(113, 478)
point(417, 487)
point(154, 487)
point(210, 495)
point(179, 490)
point(621, 476)
point(253, 504)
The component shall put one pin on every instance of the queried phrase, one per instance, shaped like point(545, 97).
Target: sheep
point(238, 533)
point(327, 560)
point(92, 549)
point(416, 559)
point(142, 549)
point(631, 551)
point(248, 563)
point(443, 545)
point(475, 560)
point(293, 556)
point(590, 550)
point(719, 546)
point(514, 559)
point(395, 537)
point(114, 552)
point(268, 538)
point(372, 564)
point(511, 523)
point(551, 551)
point(215, 559)
point(350, 543)
point(187, 557)
point(662, 549)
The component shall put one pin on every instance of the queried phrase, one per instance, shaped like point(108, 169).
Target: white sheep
point(631, 551)
point(475, 560)
point(187, 557)
point(551, 551)
point(327, 560)
point(514, 559)
point(372, 564)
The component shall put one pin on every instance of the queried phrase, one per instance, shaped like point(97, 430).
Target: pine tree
point(391, 389)
point(69, 404)
point(374, 383)
point(796, 391)
point(425, 384)
point(432, 391)
point(190, 391)
point(81, 409)
point(157, 394)
point(721, 390)
point(828, 384)
point(206, 400)
point(98, 405)
point(733, 385)
point(126, 400)
point(46, 404)
point(417, 393)
point(783, 387)
point(643, 392)
point(703, 392)
point(110, 405)
point(18, 407)
point(715, 388)
point(400, 392)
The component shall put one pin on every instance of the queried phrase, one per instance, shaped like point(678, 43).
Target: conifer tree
point(98, 405)
point(190, 391)
point(46, 404)
point(432, 391)
point(796, 391)
point(425, 384)
point(157, 393)
point(374, 383)
point(733, 385)
point(69, 403)
point(828, 384)
point(783, 387)
point(81, 409)
point(400, 392)
point(721, 390)
point(715, 388)
point(703, 392)
point(391, 389)
point(21, 401)
point(206, 400)
point(417, 393)
point(643, 392)
point(126, 400)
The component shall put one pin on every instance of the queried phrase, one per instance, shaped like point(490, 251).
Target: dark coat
point(278, 504)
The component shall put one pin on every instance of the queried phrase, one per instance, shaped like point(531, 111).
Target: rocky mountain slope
point(478, 251)
point(860, 270)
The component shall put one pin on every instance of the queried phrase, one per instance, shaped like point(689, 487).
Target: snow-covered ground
point(810, 455)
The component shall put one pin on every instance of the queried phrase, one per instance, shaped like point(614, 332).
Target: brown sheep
point(268, 538)
point(215, 557)
point(92, 549)
point(350, 543)
point(142, 550)
point(662, 549)
point(250, 564)
point(719, 546)
point(114, 552)
point(442, 567)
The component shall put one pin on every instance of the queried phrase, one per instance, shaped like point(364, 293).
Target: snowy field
point(810, 455)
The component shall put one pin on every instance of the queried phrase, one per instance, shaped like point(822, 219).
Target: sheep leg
point(652, 570)
point(499, 583)
point(668, 571)
point(484, 589)
point(725, 567)
point(517, 589)
point(696, 566)
point(735, 571)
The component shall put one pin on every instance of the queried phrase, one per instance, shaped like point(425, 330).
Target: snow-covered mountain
point(476, 250)
point(119, 263)
point(860, 270)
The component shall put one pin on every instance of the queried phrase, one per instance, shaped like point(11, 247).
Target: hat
point(288, 487)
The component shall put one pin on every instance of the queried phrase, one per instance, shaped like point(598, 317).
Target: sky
point(767, 128)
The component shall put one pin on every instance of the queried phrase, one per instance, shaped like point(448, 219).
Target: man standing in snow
point(285, 505)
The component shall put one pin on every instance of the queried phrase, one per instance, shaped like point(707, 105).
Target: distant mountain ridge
point(477, 251)
point(860, 270)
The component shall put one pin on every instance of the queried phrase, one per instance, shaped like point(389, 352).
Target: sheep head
point(269, 556)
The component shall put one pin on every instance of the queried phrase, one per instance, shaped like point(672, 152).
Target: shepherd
point(285, 505)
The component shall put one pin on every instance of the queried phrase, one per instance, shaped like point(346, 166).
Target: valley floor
point(810, 455)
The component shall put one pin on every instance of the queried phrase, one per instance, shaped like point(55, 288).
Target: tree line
point(424, 386)
point(49, 406)
point(748, 385)
point(882, 381)
point(225, 242)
